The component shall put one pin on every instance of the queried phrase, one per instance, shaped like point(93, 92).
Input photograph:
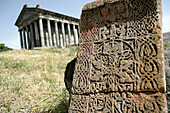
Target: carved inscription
point(119, 66)
point(118, 102)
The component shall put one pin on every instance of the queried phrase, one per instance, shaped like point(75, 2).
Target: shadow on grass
point(61, 108)
point(53, 103)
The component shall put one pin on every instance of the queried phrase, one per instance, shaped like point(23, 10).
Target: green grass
point(33, 81)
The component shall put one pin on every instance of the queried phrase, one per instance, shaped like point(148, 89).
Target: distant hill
point(166, 38)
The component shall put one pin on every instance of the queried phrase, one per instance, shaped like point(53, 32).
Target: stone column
point(69, 32)
point(21, 38)
point(49, 32)
point(78, 33)
point(28, 37)
point(32, 36)
point(63, 32)
point(47, 39)
point(78, 30)
point(41, 32)
point(56, 32)
point(54, 39)
point(54, 35)
point(25, 43)
point(36, 34)
point(74, 30)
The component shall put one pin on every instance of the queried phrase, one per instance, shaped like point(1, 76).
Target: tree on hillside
point(4, 48)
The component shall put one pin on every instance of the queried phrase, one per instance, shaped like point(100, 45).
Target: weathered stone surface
point(118, 102)
point(120, 61)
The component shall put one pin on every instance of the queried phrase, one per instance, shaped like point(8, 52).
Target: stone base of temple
point(53, 47)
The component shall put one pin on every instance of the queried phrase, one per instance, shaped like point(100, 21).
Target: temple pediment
point(25, 13)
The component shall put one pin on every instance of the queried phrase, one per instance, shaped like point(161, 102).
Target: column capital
point(71, 22)
point(48, 19)
point(40, 17)
point(76, 24)
point(65, 21)
point(56, 20)
point(62, 22)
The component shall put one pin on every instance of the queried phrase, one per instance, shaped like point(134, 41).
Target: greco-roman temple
point(39, 28)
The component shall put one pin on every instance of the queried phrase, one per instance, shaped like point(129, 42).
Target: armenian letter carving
point(120, 63)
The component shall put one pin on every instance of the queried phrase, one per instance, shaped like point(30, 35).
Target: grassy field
point(33, 80)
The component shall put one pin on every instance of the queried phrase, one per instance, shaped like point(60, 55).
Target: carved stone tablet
point(120, 62)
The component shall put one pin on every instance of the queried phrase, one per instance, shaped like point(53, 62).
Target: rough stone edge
point(163, 56)
point(98, 3)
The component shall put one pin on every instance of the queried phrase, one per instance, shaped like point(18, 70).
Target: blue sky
point(10, 9)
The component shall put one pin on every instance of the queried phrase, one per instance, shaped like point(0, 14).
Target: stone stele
point(120, 59)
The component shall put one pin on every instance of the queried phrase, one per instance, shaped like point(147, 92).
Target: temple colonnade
point(45, 32)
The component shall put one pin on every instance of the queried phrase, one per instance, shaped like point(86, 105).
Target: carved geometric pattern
point(79, 104)
point(81, 85)
point(118, 102)
point(119, 66)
